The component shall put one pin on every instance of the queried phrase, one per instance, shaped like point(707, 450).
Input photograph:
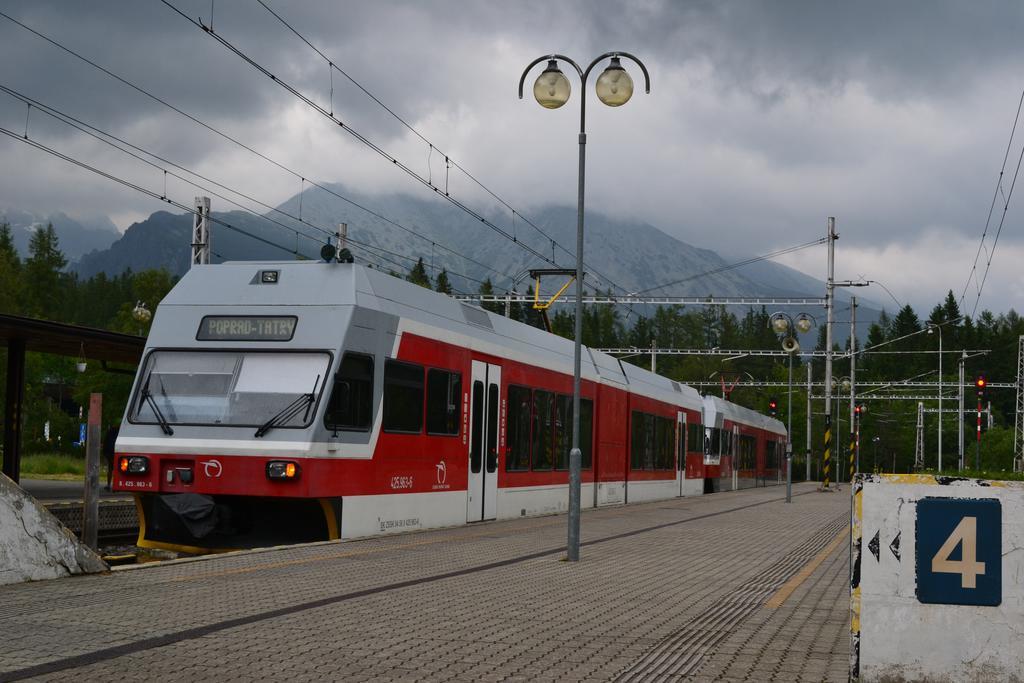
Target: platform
point(731, 586)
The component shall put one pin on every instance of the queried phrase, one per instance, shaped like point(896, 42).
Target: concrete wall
point(895, 635)
point(34, 545)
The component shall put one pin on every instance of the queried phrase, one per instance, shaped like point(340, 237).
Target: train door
point(484, 411)
point(680, 451)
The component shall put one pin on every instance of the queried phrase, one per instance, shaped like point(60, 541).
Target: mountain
point(77, 235)
point(633, 255)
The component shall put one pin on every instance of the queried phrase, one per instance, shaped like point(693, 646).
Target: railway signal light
point(980, 385)
point(773, 407)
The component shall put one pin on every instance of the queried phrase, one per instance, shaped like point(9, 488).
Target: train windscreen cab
point(302, 401)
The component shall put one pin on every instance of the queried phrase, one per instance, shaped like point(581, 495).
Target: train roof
point(421, 311)
point(716, 409)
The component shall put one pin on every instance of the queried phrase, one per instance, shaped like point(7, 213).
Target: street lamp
point(782, 324)
point(932, 327)
point(551, 90)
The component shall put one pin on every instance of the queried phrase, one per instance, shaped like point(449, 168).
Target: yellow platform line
point(780, 596)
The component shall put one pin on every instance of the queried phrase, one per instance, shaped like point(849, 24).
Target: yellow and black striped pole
point(853, 452)
point(828, 452)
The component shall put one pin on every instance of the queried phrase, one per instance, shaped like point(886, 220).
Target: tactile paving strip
point(682, 653)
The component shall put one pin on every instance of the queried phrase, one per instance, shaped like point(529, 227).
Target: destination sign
point(246, 328)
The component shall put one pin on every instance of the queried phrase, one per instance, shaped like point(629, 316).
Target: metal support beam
point(636, 299)
point(863, 385)
point(201, 232)
point(13, 408)
point(830, 308)
point(807, 464)
point(1018, 424)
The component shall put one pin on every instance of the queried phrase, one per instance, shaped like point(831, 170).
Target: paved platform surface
point(732, 586)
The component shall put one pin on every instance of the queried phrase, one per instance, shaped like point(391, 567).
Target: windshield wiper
point(165, 426)
point(304, 401)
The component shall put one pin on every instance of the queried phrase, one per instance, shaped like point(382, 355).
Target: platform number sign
point(959, 551)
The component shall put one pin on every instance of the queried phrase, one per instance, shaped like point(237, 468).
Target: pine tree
point(487, 289)
point(418, 275)
point(10, 273)
point(443, 284)
point(44, 274)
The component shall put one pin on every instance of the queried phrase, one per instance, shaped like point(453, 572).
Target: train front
point(222, 441)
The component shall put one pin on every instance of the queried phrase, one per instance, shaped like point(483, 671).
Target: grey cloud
point(742, 142)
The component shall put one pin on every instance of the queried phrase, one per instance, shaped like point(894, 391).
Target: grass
point(56, 467)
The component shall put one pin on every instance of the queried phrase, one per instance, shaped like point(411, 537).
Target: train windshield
point(228, 388)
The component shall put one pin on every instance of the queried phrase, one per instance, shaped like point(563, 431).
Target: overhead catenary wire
point(167, 200)
point(138, 188)
point(988, 220)
point(370, 144)
point(163, 102)
point(351, 131)
point(333, 66)
point(103, 136)
point(738, 264)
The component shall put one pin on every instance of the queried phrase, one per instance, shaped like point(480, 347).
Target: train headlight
point(133, 464)
point(282, 469)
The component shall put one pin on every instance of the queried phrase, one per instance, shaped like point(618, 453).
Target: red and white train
point(285, 402)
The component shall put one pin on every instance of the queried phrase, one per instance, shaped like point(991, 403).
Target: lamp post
point(551, 89)
point(874, 453)
point(932, 327)
point(782, 324)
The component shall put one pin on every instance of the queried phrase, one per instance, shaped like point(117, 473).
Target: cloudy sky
point(763, 118)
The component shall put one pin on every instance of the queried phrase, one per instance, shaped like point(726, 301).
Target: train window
point(770, 456)
point(716, 441)
point(642, 452)
point(230, 388)
point(665, 442)
point(476, 445)
point(653, 442)
point(518, 429)
point(748, 453)
point(563, 431)
point(351, 404)
point(636, 441)
point(543, 407)
point(586, 432)
point(492, 428)
point(444, 402)
point(695, 438)
point(403, 397)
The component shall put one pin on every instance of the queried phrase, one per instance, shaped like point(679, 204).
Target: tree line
point(41, 286)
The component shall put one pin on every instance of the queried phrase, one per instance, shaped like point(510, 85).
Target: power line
point(333, 66)
point(991, 208)
point(354, 133)
point(138, 188)
point(102, 136)
point(240, 144)
point(738, 264)
point(426, 182)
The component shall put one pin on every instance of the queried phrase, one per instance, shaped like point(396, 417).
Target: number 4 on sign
point(966, 535)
